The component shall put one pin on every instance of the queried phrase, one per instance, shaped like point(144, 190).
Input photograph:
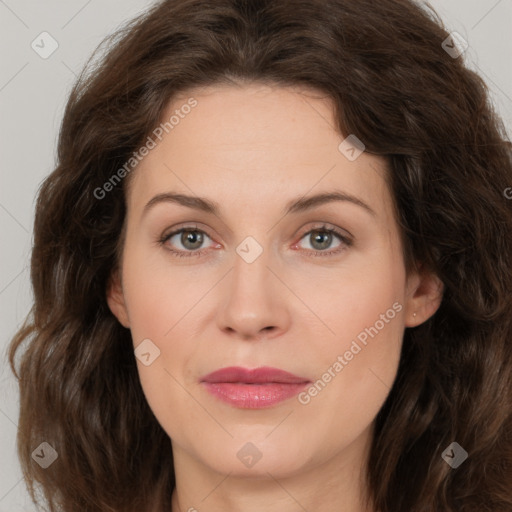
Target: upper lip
point(262, 375)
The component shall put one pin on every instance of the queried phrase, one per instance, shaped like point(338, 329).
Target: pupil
point(191, 236)
point(325, 236)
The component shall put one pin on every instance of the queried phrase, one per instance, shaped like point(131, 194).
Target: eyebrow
point(298, 205)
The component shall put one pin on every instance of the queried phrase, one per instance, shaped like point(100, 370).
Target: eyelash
point(315, 253)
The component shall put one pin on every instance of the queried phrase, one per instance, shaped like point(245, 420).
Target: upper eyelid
point(187, 227)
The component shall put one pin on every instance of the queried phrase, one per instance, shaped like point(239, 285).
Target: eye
point(191, 239)
point(321, 238)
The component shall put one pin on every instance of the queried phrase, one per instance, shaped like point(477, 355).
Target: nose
point(254, 300)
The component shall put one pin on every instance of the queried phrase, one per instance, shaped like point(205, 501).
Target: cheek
point(358, 355)
point(364, 355)
point(160, 310)
point(162, 302)
point(365, 302)
point(158, 293)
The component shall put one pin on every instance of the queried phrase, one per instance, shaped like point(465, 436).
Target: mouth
point(253, 388)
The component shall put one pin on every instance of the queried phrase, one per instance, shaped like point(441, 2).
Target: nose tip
point(252, 308)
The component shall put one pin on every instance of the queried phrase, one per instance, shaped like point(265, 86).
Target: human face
point(330, 309)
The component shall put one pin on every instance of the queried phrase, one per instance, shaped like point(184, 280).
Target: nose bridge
point(253, 302)
point(250, 276)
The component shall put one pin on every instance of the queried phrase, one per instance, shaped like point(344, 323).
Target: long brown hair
point(395, 87)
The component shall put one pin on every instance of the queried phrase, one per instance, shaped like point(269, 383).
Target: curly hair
point(395, 87)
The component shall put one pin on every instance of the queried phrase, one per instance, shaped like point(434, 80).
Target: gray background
point(33, 92)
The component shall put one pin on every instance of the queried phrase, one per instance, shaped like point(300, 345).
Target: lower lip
point(253, 396)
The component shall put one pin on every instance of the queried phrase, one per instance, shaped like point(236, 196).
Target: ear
point(424, 296)
point(115, 299)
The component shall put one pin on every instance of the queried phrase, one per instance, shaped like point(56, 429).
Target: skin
point(252, 148)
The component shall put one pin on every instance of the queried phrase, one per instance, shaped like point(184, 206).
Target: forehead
point(256, 143)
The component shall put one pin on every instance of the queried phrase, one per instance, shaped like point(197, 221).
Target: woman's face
point(259, 282)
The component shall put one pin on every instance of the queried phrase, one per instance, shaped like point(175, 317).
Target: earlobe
point(115, 299)
point(424, 298)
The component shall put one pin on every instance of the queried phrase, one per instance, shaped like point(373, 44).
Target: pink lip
point(253, 389)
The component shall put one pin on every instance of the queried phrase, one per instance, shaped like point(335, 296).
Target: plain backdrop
point(33, 92)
